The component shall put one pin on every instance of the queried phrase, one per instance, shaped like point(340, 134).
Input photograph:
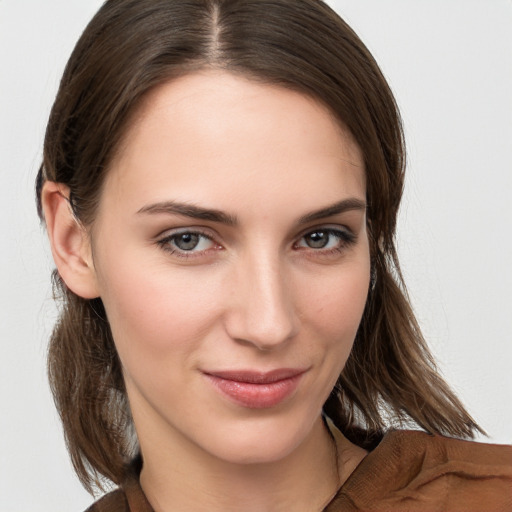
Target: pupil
point(318, 239)
point(187, 241)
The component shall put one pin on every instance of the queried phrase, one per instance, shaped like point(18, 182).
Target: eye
point(187, 243)
point(326, 239)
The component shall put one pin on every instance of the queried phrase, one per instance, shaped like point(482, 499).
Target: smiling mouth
point(256, 390)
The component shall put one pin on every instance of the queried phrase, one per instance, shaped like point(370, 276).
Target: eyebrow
point(213, 215)
point(190, 210)
point(334, 209)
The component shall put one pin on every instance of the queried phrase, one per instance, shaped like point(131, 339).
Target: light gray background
point(449, 63)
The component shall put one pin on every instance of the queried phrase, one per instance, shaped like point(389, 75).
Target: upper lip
point(257, 377)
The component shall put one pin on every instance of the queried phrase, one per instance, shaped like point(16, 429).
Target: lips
point(256, 390)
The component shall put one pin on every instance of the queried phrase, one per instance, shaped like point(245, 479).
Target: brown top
point(408, 471)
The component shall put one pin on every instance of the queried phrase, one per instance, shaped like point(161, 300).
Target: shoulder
point(114, 501)
point(435, 450)
point(417, 471)
point(129, 497)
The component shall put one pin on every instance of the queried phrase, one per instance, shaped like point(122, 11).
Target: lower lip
point(256, 396)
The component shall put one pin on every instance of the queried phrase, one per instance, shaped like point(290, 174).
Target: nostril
point(265, 326)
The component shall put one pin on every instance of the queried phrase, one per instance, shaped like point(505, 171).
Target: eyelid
point(331, 228)
point(346, 235)
point(167, 233)
point(164, 241)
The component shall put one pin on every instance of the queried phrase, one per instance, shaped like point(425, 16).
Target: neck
point(181, 477)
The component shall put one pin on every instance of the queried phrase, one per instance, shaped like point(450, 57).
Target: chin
point(245, 453)
point(258, 441)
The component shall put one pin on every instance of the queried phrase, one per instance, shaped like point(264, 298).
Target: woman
point(220, 186)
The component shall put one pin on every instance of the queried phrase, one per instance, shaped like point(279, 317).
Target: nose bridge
point(263, 312)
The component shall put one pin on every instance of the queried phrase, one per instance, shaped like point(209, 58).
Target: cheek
point(154, 312)
point(333, 306)
point(337, 302)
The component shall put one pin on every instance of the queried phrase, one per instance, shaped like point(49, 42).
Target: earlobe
point(69, 241)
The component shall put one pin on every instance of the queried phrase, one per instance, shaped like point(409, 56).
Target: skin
point(253, 294)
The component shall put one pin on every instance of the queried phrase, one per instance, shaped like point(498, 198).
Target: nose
point(261, 311)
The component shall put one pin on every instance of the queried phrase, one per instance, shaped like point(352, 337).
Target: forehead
point(212, 128)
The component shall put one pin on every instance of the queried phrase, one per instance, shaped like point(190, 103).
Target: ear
point(69, 241)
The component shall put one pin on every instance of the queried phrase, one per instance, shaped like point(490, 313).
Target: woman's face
point(231, 253)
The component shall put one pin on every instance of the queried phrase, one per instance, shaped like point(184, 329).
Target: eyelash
point(346, 239)
point(166, 243)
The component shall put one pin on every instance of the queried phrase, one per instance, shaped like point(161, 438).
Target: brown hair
point(130, 47)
